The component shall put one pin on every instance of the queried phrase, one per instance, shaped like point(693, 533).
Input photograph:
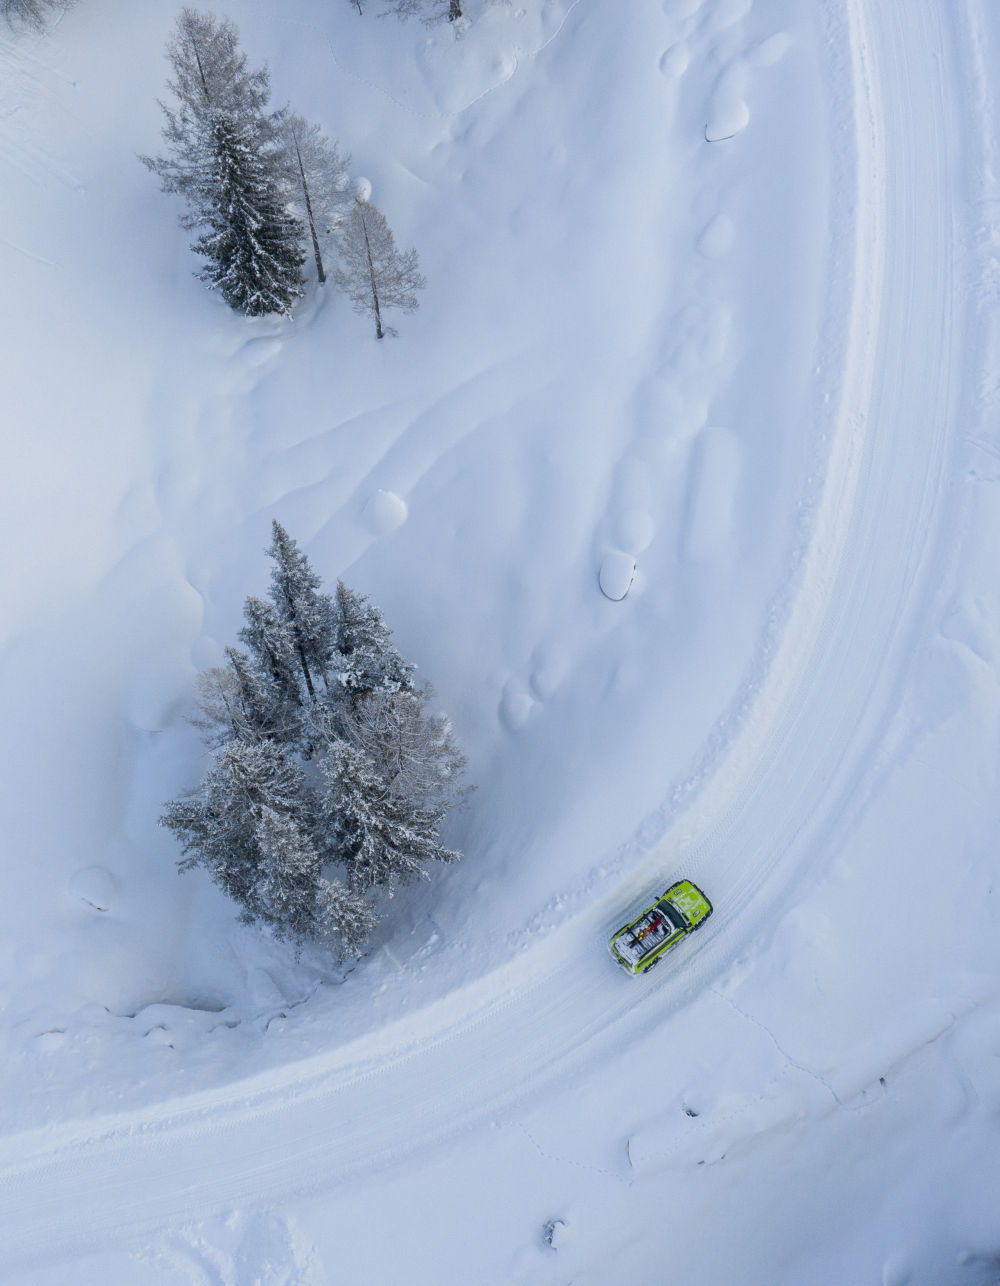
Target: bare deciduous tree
point(31, 13)
point(371, 270)
point(315, 172)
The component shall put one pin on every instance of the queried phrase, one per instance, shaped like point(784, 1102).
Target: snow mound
point(616, 575)
point(674, 62)
point(728, 113)
point(384, 512)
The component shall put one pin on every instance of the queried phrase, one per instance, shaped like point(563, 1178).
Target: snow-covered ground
point(712, 288)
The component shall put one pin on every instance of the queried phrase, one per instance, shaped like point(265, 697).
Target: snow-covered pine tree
point(273, 650)
point(218, 823)
point(210, 76)
point(307, 776)
point(383, 839)
point(315, 173)
point(349, 915)
point(365, 659)
point(252, 242)
point(224, 156)
point(371, 271)
point(238, 701)
point(308, 614)
point(246, 828)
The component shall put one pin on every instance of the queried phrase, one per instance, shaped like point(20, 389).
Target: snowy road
point(798, 767)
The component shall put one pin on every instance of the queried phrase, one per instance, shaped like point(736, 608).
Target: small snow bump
point(47, 1042)
point(95, 886)
point(384, 512)
point(363, 189)
point(550, 666)
point(616, 575)
point(727, 118)
point(516, 705)
point(674, 61)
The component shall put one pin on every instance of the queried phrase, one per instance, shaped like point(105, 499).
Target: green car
point(643, 943)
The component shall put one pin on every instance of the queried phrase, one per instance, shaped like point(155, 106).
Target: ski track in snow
point(752, 822)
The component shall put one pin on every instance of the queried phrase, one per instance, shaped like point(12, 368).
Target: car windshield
point(677, 921)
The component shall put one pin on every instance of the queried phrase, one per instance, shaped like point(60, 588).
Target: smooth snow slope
point(538, 418)
point(746, 1081)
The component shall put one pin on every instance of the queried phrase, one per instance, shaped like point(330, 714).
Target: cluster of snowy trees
point(429, 10)
point(329, 780)
point(264, 187)
point(31, 13)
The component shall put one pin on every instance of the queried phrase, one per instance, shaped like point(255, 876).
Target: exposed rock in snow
point(557, 1233)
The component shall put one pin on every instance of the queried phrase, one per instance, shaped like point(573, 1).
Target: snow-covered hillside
point(711, 290)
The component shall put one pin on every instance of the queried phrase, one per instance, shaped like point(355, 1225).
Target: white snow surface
point(712, 293)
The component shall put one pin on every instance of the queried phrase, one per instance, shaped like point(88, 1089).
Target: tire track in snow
point(312, 1125)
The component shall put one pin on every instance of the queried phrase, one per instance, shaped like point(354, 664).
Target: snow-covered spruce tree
point(225, 157)
point(252, 242)
point(237, 702)
point(308, 614)
point(31, 13)
point(383, 838)
point(244, 826)
point(210, 77)
point(272, 649)
point(371, 270)
point(365, 659)
point(325, 761)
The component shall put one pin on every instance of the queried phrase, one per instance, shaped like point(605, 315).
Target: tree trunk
point(309, 212)
point(201, 70)
point(305, 670)
point(371, 273)
point(454, 9)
